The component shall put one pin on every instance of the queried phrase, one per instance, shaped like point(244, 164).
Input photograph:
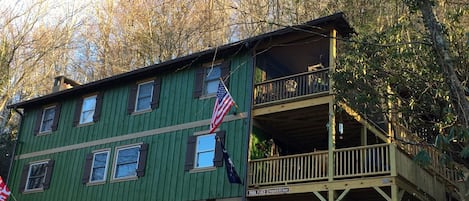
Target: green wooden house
point(144, 134)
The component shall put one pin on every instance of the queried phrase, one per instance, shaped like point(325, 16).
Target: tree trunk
point(445, 61)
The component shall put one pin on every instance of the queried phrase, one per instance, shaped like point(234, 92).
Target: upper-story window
point(88, 109)
point(204, 151)
point(212, 79)
point(47, 119)
point(36, 176)
point(144, 96)
point(208, 77)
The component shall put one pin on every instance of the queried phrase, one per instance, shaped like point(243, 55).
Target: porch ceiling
point(305, 129)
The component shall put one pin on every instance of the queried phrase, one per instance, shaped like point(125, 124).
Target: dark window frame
point(140, 162)
point(189, 164)
point(200, 78)
point(40, 117)
point(133, 96)
point(46, 176)
point(79, 109)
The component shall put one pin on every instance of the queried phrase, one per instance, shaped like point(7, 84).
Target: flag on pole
point(4, 191)
point(223, 104)
point(233, 176)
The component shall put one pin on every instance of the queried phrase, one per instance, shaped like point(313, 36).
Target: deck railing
point(362, 161)
point(288, 169)
point(348, 162)
point(450, 172)
point(292, 86)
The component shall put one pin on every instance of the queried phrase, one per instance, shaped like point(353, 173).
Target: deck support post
point(331, 129)
point(395, 193)
point(331, 195)
point(331, 125)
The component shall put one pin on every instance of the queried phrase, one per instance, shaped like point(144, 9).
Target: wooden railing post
point(392, 159)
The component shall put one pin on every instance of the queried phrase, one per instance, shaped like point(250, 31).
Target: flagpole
point(234, 102)
point(14, 198)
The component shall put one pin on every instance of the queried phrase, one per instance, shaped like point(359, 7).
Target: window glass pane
point(213, 73)
point(212, 87)
point(126, 170)
point(98, 174)
point(205, 159)
point(205, 151)
point(99, 166)
point(37, 173)
point(144, 96)
point(87, 110)
point(127, 161)
point(47, 119)
point(206, 142)
point(211, 80)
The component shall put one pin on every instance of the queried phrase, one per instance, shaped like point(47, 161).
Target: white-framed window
point(211, 80)
point(205, 151)
point(144, 96)
point(126, 162)
point(99, 166)
point(47, 119)
point(88, 109)
point(36, 176)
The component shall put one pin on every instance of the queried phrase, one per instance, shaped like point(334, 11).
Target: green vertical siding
point(165, 178)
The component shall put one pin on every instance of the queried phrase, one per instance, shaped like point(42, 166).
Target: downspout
point(249, 119)
point(12, 159)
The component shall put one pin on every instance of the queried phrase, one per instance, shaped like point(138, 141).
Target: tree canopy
point(393, 65)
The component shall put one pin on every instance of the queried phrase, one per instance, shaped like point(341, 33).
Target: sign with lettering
point(268, 191)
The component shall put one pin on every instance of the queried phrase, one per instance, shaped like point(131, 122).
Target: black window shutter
point(24, 177)
point(199, 82)
point(132, 97)
point(190, 152)
point(55, 122)
point(142, 161)
point(97, 108)
point(87, 168)
point(156, 93)
point(50, 167)
point(77, 114)
point(37, 127)
point(218, 159)
point(225, 72)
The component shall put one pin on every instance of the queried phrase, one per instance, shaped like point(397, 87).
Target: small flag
point(223, 104)
point(233, 176)
point(4, 191)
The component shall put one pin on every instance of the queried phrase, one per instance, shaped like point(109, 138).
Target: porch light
point(341, 130)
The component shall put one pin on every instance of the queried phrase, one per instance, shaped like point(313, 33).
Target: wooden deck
point(291, 87)
point(365, 167)
point(350, 162)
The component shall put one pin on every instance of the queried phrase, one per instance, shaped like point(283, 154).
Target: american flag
point(4, 191)
point(223, 104)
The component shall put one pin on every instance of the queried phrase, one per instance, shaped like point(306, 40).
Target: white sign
point(269, 191)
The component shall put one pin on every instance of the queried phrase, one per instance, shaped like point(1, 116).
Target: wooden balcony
point(349, 162)
point(376, 167)
point(292, 87)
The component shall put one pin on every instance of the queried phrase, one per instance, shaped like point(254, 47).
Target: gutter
point(12, 159)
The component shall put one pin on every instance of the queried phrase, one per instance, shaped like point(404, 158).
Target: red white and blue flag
point(4, 191)
point(223, 104)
